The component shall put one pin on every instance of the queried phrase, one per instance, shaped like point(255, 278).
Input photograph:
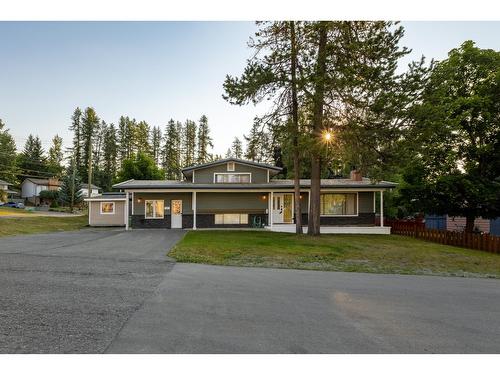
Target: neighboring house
point(239, 193)
point(5, 186)
point(457, 224)
point(31, 188)
point(84, 190)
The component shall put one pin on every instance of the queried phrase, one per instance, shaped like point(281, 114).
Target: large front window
point(154, 209)
point(338, 204)
point(232, 178)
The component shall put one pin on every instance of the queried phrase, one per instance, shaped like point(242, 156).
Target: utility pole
point(90, 170)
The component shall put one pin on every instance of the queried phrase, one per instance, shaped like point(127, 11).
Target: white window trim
point(154, 209)
point(357, 204)
point(234, 183)
point(106, 213)
point(231, 169)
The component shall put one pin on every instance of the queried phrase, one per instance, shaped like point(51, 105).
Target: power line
point(29, 170)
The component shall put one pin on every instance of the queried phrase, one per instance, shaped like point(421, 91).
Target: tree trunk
point(469, 223)
point(295, 131)
point(318, 102)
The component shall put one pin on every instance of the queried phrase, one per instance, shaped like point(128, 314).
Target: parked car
point(14, 204)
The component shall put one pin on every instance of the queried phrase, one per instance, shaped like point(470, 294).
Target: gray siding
point(366, 202)
point(167, 197)
point(206, 175)
point(231, 202)
point(98, 219)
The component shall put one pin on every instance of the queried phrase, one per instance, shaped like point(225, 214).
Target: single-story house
point(235, 193)
point(84, 190)
point(31, 188)
point(457, 224)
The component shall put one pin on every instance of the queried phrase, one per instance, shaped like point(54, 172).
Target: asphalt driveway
point(96, 291)
point(71, 292)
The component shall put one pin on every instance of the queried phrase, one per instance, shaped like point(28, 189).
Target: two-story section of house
point(234, 193)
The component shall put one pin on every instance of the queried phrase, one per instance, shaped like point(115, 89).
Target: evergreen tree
point(141, 138)
point(75, 127)
point(109, 158)
point(171, 154)
point(204, 141)
point(273, 73)
point(259, 144)
point(8, 167)
point(56, 156)
point(89, 126)
point(156, 144)
point(32, 160)
point(189, 144)
point(229, 154)
point(69, 194)
point(237, 148)
point(125, 138)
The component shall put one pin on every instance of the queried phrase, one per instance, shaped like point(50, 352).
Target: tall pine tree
point(8, 167)
point(237, 148)
point(189, 143)
point(156, 144)
point(90, 123)
point(32, 161)
point(56, 156)
point(204, 141)
point(171, 153)
point(76, 128)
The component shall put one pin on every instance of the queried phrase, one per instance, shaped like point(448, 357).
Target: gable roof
point(43, 182)
point(187, 171)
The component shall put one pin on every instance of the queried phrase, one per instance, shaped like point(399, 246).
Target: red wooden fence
point(475, 241)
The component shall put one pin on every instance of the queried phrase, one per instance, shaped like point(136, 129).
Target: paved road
point(112, 291)
point(71, 292)
point(211, 309)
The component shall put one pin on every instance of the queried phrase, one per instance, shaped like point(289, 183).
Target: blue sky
point(153, 71)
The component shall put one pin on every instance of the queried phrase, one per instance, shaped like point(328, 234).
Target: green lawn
point(351, 253)
point(40, 224)
point(10, 211)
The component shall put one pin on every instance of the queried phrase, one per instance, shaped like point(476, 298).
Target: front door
point(176, 213)
point(282, 208)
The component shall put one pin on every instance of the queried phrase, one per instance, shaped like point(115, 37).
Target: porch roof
point(338, 183)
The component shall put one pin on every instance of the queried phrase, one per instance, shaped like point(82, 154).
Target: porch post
point(194, 209)
point(271, 210)
point(381, 208)
point(126, 211)
point(132, 203)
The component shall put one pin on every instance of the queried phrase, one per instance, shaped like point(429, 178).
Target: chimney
point(356, 175)
point(53, 182)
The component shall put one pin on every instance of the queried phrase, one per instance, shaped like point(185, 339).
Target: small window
point(230, 166)
point(232, 178)
point(107, 207)
point(154, 209)
point(231, 218)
